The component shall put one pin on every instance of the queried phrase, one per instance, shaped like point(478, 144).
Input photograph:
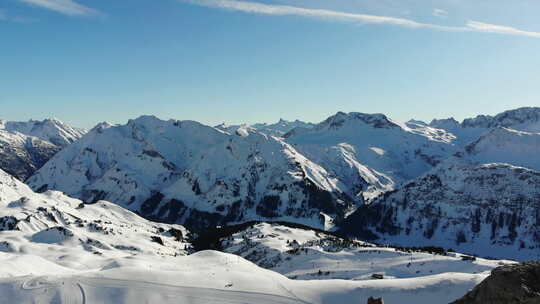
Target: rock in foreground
point(510, 284)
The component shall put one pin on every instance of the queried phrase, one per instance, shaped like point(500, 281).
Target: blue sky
point(249, 61)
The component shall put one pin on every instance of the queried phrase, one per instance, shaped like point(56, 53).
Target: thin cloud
point(284, 10)
point(66, 7)
point(499, 29)
point(440, 13)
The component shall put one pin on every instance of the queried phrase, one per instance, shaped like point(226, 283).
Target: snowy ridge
point(189, 173)
point(51, 130)
point(523, 119)
point(279, 128)
point(26, 146)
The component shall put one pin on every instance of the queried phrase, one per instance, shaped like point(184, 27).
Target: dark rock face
point(457, 206)
point(372, 300)
point(21, 156)
point(510, 284)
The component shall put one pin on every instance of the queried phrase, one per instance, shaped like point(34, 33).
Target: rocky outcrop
point(510, 284)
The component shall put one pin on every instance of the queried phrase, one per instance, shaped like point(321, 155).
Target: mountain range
point(469, 186)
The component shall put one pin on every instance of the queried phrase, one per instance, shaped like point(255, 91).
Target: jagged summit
point(51, 129)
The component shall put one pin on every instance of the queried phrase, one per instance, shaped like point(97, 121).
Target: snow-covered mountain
point(189, 173)
point(51, 130)
point(26, 146)
point(370, 153)
point(525, 119)
point(279, 128)
point(485, 209)
point(521, 119)
point(506, 145)
point(22, 155)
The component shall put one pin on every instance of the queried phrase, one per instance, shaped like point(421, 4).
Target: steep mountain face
point(26, 146)
point(486, 209)
point(510, 284)
point(51, 130)
point(62, 229)
point(185, 172)
point(22, 155)
point(370, 153)
point(277, 129)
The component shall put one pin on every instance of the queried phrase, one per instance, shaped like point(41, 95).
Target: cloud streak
point(66, 7)
point(286, 10)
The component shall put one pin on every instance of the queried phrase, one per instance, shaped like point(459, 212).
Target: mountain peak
point(50, 129)
point(341, 118)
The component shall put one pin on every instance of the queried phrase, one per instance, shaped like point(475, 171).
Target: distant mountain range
point(470, 186)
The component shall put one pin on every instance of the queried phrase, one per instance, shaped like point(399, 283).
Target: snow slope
point(56, 250)
point(214, 277)
point(311, 255)
point(69, 233)
point(505, 145)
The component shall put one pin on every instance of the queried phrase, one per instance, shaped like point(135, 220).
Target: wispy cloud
point(499, 29)
point(283, 10)
point(437, 12)
point(67, 7)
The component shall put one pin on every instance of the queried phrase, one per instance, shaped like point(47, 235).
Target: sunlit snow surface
point(52, 250)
